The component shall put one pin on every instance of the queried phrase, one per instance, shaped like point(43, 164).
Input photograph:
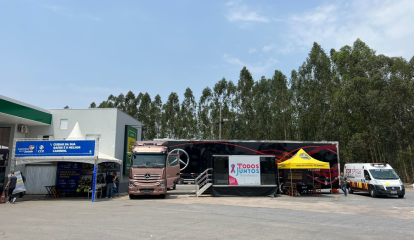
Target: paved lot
point(182, 216)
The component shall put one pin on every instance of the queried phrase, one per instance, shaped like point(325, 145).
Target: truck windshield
point(383, 174)
point(148, 161)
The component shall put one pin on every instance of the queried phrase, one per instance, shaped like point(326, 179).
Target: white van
point(375, 178)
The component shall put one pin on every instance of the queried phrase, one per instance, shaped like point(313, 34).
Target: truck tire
point(174, 187)
point(373, 192)
point(401, 196)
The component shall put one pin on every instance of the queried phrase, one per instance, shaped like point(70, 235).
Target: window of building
point(63, 123)
point(4, 137)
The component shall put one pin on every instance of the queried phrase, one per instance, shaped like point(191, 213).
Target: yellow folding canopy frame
point(302, 160)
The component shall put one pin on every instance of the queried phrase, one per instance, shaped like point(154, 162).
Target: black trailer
point(198, 155)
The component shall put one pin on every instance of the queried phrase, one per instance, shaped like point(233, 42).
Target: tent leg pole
point(95, 169)
point(278, 182)
point(291, 180)
point(330, 178)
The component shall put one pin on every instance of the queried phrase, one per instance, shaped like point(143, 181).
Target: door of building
point(39, 176)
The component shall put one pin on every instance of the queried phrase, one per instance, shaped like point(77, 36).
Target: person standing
point(11, 185)
point(342, 182)
point(109, 181)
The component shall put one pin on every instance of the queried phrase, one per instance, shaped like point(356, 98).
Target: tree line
point(354, 96)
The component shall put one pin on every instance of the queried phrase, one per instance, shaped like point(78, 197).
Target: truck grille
point(393, 188)
point(155, 177)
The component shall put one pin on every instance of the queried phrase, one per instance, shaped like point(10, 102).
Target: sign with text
point(244, 170)
point(131, 136)
point(62, 148)
point(68, 175)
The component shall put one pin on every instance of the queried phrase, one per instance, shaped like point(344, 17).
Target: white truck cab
point(375, 178)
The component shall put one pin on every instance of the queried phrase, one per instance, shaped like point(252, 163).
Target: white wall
point(124, 119)
point(101, 121)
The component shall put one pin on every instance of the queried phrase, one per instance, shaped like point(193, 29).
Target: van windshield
point(383, 174)
point(148, 161)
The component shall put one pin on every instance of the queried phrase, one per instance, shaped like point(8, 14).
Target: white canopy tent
point(76, 134)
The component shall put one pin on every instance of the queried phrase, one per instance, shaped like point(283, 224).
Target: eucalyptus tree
point(144, 116)
point(280, 108)
point(171, 120)
point(205, 121)
point(244, 103)
point(222, 96)
point(156, 118)
point(188, 116)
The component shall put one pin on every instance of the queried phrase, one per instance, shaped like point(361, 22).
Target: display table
point(52, 191)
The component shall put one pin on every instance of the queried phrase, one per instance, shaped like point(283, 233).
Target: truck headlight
point(162, 184)
point(132, 184)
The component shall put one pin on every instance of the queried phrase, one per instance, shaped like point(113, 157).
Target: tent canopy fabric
point(76, 134)
point(101, 159)
point(302, 160)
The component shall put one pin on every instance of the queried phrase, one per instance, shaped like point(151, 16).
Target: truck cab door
point(172, 169)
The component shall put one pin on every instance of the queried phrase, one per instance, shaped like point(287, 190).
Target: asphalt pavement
point(183, 216)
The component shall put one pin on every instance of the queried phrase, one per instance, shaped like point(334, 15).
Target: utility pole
point(220, 124)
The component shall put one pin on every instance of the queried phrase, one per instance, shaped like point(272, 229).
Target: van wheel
point(350, 191)
point(401, 196)
point(373, 192)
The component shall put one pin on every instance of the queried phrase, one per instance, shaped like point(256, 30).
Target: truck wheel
point(373, 192)
point(174, 187)
point(131, 196)
point(401, 196)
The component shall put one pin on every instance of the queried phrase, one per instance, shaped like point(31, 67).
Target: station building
point(110, 126)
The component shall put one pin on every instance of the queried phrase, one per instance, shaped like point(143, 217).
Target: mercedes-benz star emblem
point(147, 176)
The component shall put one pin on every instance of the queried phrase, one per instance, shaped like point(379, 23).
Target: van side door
point(172, 169)
point(367, 180)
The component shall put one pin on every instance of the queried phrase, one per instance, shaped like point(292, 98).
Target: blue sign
point(63, 148)
point(68, 176)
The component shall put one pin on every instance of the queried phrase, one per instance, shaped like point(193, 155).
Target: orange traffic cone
point(3, 197)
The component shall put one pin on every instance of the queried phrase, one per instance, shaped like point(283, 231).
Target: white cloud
point(55, 8)
point(238, 12)
point(257, 68)
point(385, 26)
point(252, 50)
point(268, 48)
point(97, 19)
point(64, 11)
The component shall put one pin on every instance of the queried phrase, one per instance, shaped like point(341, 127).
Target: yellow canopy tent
point(302, 160)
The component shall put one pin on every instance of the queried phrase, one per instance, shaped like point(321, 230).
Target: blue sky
point(58, 53)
